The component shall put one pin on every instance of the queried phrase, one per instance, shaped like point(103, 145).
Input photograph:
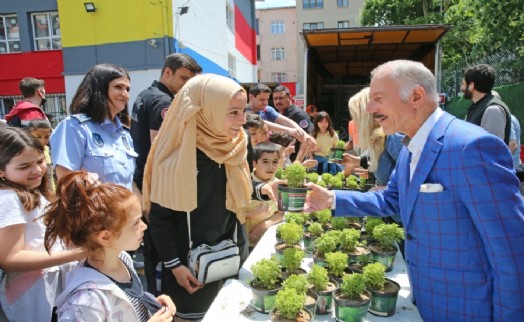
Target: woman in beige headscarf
point(197, 164)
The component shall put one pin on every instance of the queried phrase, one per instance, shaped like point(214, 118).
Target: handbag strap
point(189, 230)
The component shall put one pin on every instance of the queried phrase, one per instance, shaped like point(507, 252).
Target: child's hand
point(262, 209)
point(167, 302)
point(164, 314)
point(309, 163)
point(258, 232)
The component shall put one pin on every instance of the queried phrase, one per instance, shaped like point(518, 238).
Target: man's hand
point(185, 279)
point(318, 199)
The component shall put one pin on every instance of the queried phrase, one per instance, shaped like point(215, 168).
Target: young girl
point(32, 276)
point(326, 138)
point(105, 219)
point(41, 129)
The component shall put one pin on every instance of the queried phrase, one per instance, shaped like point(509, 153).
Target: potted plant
point(313, 232)
point(336, 183)
point(323, 217)
point(352, 183)
point(300, 284)
point(337, 264)
point(369, 226)
point(323, 244)
point(298, 218)
point(350, 243)
point(338, 151)
point(290, 233)
point(326, 177)
point(352, 299)
point(291, 197)
point(265, 284)
point(312, 177)
point(384, 292)
point(361, 262)
point(339, 223)
point(324, 287)
point(289, 306)
point(384, 251)
point(291, 260)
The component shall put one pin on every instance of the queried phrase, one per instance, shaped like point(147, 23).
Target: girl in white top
point(106, 220)
point(32, 276)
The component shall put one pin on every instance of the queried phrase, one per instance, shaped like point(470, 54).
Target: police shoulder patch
point(303, 124)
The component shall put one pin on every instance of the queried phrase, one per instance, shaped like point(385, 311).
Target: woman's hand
point(185, 279)
point(164, 314)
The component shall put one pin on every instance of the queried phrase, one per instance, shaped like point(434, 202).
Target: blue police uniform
point(106, 148)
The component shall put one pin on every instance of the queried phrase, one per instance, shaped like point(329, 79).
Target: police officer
point(93, 138)
point(282, 101)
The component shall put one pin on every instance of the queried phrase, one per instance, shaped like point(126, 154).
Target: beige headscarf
point(195, 120)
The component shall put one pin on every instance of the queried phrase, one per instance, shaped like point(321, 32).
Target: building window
point(279, 77)
point(231, 66)
point(46, 30)
point(257, 22)
point(343, 24)
point(278, 53)
point(278, 27)
point(9, 34)
point(258, 52)
point(310, 4)
point(313, 25)
point(343, 3)
point(230, 18)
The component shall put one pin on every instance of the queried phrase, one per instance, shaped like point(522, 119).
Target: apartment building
point(59, 40)
point(276, 28)
point(323, 14)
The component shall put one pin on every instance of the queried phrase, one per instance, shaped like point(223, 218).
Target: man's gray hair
point(410, 74)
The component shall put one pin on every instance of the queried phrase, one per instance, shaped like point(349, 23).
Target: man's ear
point(418, 96)
point(104, 238)
point(471, 86)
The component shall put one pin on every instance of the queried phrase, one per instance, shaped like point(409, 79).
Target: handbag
point(210, 263)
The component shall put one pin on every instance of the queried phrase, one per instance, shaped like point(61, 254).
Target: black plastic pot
point(384, 303)
point(291, 199)
point(385, 257)
point(264, 300)
point(349, 310)
point(336, 154)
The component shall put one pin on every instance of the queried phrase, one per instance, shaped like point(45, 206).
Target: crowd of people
point(195, 163)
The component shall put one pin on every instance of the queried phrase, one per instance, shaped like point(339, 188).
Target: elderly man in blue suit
point(456, 191)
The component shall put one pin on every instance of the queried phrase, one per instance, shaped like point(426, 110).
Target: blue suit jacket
point(465, 245)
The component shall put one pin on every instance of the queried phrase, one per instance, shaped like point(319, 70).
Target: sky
point(274, 4)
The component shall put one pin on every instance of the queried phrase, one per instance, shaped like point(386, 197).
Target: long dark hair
point(319, 117)
point(91, 97)
point(14, 141)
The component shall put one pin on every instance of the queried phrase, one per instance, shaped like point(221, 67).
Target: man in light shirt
point(458, 197)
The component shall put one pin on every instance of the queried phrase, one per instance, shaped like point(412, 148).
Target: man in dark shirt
point(282, 101)
point(149, 110)
point(152, 104)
